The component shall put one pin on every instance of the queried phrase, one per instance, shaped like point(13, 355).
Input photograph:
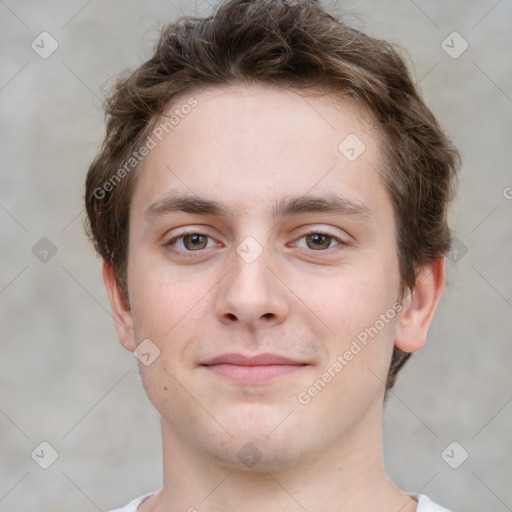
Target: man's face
point(301, 284)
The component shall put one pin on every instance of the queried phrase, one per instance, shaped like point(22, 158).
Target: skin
point(305, 298)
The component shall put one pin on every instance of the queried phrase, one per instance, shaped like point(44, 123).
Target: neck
point(346, 477)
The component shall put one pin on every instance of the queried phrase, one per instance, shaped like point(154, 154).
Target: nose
point(252, 294)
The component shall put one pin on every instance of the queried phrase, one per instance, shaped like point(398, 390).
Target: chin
point(262, 444)
point(257, 454)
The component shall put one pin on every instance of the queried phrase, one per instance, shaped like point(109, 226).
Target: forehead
point(252, 145)
point(223, 116)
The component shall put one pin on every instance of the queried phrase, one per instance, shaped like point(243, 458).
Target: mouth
point(253, 369)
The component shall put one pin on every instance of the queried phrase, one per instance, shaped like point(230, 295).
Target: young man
point(270, 205)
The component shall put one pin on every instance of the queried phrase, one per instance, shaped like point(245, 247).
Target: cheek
point(357, 362)
point(354, 299)
point(160, 297)
point(360, 309)
point(168, 309)
point(163, 311)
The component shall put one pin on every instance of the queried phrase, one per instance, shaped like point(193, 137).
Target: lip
point(258, 360)
point(252, 369)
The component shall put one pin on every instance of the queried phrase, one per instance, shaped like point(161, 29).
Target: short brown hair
point(289, 44)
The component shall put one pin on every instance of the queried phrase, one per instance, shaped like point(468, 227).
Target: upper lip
point(261, 359)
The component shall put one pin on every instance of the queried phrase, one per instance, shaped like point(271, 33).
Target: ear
point(120, 309)
point(419, 307)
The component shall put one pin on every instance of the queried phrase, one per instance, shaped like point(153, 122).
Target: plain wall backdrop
point(67, 382)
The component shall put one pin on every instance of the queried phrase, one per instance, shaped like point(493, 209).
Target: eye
point(194, 241)
point(190, 242)
point(319, 241)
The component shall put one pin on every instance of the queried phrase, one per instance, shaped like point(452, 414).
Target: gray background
point(65, 378)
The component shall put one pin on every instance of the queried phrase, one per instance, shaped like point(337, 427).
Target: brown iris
point(319, 240)
point(197, 240)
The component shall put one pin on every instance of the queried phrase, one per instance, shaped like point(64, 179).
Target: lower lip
point(253, 373)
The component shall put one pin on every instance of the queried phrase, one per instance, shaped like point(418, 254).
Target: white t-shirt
point(424, 504)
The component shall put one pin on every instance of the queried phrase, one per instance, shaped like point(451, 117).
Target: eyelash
point(169, 244)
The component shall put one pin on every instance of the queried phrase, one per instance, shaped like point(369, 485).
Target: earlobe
point(419, 307)
point(120, 309)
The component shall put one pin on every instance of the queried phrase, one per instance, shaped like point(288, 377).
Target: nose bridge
point(251, 293)
point(251, 268)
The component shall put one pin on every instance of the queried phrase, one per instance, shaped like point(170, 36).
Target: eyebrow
point(295, 205)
